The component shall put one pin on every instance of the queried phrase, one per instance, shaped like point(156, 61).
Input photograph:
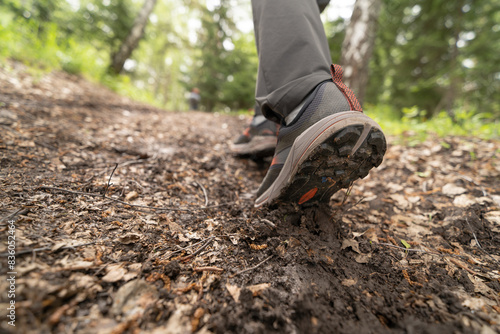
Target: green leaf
point(407, 245)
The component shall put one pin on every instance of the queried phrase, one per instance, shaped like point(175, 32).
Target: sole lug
point(331, 167)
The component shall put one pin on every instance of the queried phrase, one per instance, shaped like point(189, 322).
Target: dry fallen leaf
point(351, 243)
point(258, 288)
point(349, 282)
point(362, 258)
point(115, 273)
point(401, 201)
point(174, 227)
point(179, 321)
point(234, 291)
point(131, 196)
point(451, 190)
point(133, 298)
point(493, 217)
point(129, 238)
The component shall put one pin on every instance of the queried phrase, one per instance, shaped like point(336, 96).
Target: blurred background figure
point(194, 99)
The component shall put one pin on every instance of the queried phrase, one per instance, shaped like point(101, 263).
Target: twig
point(251, 268)
point(208, 269)
point(347, 193)
point(466, 178)
point(135, 205)
point(406, 249)
point(268, 222)
point(71, 191)
point(452, 257)
point(109, 181)
point(463, 266)
point(27, 251)
point(180, 249)
point(474, 234)
point(479, 245)
point(204, 192)
point(198, 251)
point(18, 212)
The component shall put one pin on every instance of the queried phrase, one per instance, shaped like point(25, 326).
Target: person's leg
point(256, 140)
point(325, 141)
point(259, 138)
point(293, 53)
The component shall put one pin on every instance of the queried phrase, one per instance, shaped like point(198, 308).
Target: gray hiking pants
point(293, 54)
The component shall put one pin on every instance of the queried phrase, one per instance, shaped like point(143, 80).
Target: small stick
point(135, 205)
point(348, 192)
point(208, 269)
point(251, 268)
point(453, 258)
point(466, 178)
point(268, 222)
point(26, 251)
point(478, 244)
point(71, 191)
point(109, 181)
point(198, 251)
point(179, 249)
point(474, 234)
point(461, 265)
point(405, 249)
point(13, 215)
point(204, 192)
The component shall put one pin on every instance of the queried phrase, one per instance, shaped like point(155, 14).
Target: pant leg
point(293, 53)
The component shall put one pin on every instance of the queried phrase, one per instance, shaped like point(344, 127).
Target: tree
point(161, 54)
point(132, 40)
point(211, 68)
point(335, 31)
point(437, 55)
point(104, 24)
point(238, 90)
point(357, 47)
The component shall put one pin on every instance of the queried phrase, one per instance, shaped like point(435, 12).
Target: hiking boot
point(328, 145)
point(258, 140)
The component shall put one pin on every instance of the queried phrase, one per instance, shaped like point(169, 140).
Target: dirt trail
point(131, 219)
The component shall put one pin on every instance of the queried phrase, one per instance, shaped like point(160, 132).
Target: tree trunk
point(130, 43)
point(357, 47)
point(448, 99)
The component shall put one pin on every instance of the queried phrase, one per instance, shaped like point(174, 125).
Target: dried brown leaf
point(234, 291)
point(351, 243)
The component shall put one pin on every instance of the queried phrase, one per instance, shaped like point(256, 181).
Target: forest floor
point(130, 219)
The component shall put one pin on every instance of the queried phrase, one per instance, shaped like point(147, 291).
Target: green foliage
point(158, 60)
point(104, 23)
point(44, 36)
point(238, 90)
point(224, 62)
point(412, 129)
point(437, 55)
point(335, 31)
point(406, 244)
point(209, 70)
point(123, 85)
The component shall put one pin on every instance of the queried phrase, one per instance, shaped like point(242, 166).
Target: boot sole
point(327, 157)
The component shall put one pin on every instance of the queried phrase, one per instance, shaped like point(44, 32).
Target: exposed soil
point(131, 219)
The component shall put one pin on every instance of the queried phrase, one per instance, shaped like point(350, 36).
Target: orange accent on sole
point(308, 195)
